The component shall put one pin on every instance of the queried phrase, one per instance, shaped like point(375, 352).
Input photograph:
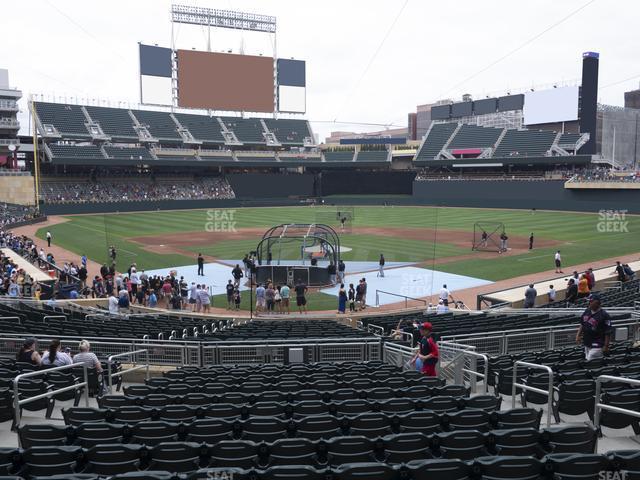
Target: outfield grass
point(580, 240)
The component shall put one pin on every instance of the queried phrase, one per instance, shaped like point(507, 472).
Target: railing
point(398, 355)
point(538, 338)
point(522, 386)
point(17, 403)
point(466, 368)
point(601, 406)
point(406, 298)
point(375, 329)
point(128, 370)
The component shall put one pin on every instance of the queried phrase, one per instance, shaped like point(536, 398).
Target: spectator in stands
point(113, 305)
point(572, 291)
point(442, 308)
point(583, 287)
point(558, 262)
point(55, 357)
point(444, 294)
point(28, 353)
point(152, 301)
point(619, 271)
point(628, 272)
point(595, 329)
point(381, 266)
point(277, 298)
point(342, 299)
point(591, 278)
point(530, 295)
point(427, 351)
point(552, 294)
point(87, 357)
point(364, 293)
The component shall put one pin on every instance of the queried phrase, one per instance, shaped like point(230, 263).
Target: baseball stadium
point(205, 278)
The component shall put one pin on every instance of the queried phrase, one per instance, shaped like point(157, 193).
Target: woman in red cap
point(427, 350)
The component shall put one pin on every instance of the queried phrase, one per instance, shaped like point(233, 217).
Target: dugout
point(289, 253)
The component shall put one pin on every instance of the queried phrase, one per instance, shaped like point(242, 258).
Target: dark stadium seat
point(464, 445)
point(508, 468)
point(576, 467)
point(406, 447)
point(113, 459)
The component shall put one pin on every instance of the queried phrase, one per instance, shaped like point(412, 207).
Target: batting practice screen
point(222, 81)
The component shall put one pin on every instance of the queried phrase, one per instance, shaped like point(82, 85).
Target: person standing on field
point(381, 266)
point(200, 265)
point(558, 262)
point(48, 238)
point(531, 241)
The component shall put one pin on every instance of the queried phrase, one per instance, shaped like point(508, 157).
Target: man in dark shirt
point(230, 289)
point(427, 351)
point(595, 329)
point(531, 241)
point(237, 275)
point(200, 265)
point(301, 299)
point(381, 266)
point(572, 291)
point(620, 272)
point(530, 295)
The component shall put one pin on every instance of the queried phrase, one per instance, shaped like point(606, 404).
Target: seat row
point(182, 413)
point(268, 429)
point(561, 466)
point(285, 409)
point(274, 368)
point(321, 389)
point(108, 459)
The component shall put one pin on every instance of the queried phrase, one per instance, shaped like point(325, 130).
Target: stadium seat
point(365, 471)
point(569, 466)
point(176, 457)
point(293, 451)
point(406, 447)
point(574, 398)
point(341, 450)
point(508, 468)
point(240, 454)
point(442, 469)
point(63, 460)
point(88, 435)
point(463, 445)
point(569, 439)
point(113, 459)
point(517, 442)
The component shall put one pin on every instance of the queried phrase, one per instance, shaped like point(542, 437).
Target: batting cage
point(486, 236)
point(289, 253)
point(339, 218)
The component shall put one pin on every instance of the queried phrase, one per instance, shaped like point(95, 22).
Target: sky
point(368, 61)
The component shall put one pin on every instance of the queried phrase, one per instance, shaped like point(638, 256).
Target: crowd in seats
point(135, 189)
point(625, 296)
point(605, 175)
point(499, 176)
point(11, 213)
point(15, 282)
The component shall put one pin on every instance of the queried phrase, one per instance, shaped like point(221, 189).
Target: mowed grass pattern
point(581, 241)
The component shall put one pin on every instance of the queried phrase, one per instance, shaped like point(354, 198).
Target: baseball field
point(433, 237)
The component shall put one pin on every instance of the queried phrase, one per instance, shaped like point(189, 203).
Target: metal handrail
point(601, 406)
point(374, 329)
point(50, 317)
point(128, 370)
point(484, 376)
point(406, 298)
point(17, 403)
point(516, 385)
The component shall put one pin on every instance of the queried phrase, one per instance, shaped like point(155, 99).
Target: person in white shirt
point(113, 305)
point(558, 262)
point(135, 280)
point(442, 308)
point(445, 295)
point(59, 358)
point(552, 294)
